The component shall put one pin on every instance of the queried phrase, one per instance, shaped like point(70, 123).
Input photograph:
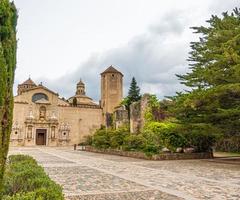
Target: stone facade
point(41, 117)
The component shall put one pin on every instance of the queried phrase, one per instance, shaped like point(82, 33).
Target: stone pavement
point(91, 176)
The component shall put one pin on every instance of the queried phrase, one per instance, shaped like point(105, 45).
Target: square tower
point(111, 89)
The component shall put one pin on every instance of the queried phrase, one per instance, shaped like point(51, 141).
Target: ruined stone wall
point(121, 118)
point(137, 114)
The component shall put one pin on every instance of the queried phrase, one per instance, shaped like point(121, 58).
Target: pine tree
point(215, 58)
point(133, 95)
point(134, 91)
point(214, 78)
point(8, 46)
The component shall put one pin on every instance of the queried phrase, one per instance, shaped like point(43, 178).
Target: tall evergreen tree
point(134, 91)
point(214, 78)
point(215, 58)
point(8, 46)
point(133, 94)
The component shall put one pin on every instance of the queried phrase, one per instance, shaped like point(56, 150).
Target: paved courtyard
point(86, 176)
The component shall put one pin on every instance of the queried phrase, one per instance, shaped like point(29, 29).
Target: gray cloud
point(153, 58)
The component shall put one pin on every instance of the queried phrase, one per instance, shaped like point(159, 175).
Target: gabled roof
point(111, 69)
point(42, 87)
point(28, 82)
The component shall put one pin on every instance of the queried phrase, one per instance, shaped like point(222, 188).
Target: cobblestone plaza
point(86, 176)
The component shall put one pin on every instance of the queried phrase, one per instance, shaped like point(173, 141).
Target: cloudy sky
point(61, 41)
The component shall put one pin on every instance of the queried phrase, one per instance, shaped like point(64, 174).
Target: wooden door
point(41, 137)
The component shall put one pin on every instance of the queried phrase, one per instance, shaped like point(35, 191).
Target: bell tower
point(111, 90)
point(80, 88)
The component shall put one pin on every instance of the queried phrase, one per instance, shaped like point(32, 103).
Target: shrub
point(165, 134)
point(87, 140)
point(134, 142)
point(24, 179)
point(101, 139)
point(200, 136)
point(231, 144)
point(117, 137)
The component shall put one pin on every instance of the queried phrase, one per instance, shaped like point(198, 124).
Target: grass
point(225, 154)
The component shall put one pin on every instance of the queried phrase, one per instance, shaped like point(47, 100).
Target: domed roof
point(80, 82)
point(29, 81)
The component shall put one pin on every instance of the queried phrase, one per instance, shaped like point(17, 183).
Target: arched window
point(39, 96)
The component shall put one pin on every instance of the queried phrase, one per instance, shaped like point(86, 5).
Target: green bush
point(202, 137)
point(24, 179)
point(101, 139)
point(231, 144)
point(134, 142)
point(88, 140)
point(165, 135)
point(117, 137)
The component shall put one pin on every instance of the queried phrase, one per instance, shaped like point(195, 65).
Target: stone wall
point(137, 114)
point(141, 155)
point(120, 117)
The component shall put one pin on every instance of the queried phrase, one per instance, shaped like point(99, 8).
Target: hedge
point(25, 180)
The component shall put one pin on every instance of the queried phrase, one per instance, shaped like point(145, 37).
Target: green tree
point(133, 94)
point(214, 78)
point(215, 58)
point(8, 46)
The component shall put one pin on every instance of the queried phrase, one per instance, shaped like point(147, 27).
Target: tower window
point(113, 75)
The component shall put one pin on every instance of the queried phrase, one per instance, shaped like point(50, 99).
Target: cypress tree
point(8, 47)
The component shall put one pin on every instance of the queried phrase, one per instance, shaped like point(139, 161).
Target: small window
point(113, 75)
point(16, 132)
point(64, 133)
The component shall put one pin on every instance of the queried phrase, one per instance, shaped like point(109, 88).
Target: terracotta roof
point(28, 82)
point(111, 69)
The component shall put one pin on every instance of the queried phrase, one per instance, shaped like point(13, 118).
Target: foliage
point(8, 46)
point(117, 137)
point(134, 142)
point(87, 140)
point(101, 139)
point(166, 134)
point(24, 179)
point(133, 94)
point(218, 106)
point(215, 58)
point(214, 78)
point(157, 110)
point(230, 144)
